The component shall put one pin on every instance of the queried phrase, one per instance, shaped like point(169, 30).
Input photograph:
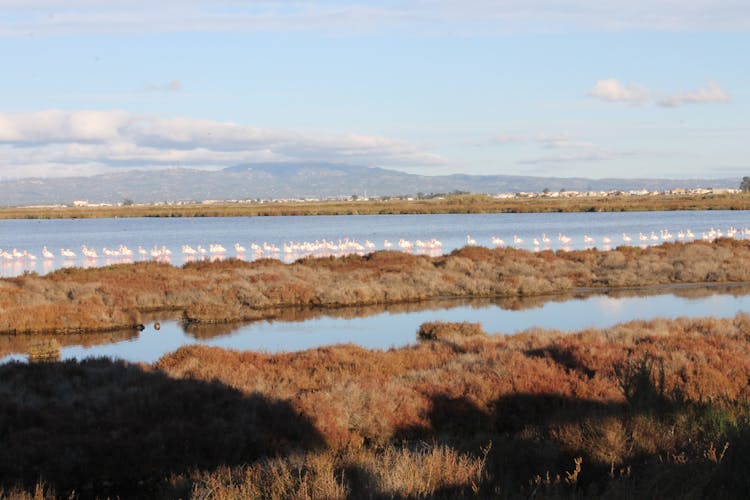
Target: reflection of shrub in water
point(41, 351)
point(205, 331)
point(20, 344)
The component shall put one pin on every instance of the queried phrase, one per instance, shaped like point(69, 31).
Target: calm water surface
point(395, 326)
point(452, 230)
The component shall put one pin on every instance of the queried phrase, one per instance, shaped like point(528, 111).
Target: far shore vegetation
point(645, 409)
point(448, 204)
point(76, 300)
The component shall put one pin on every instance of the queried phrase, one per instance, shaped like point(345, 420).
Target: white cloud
point(61, 126)
point(61, 17)
point(612, 90)
point(712, 92)
point(93, 141)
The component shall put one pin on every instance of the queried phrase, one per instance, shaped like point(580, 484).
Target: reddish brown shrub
point(436, 330)
point(113, 297)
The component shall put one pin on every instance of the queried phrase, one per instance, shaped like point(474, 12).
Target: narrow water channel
point(383, 327)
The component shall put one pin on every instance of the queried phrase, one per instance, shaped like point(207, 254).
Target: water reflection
point(381, 327)
point(45, 351)
point(609, 300)
point(22, 346)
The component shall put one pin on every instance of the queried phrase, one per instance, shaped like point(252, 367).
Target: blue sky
point(535, 87)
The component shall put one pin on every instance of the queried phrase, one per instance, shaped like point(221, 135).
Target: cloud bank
point(57, 142)
point(710, 93)
point(611, 90)
point(63, 17)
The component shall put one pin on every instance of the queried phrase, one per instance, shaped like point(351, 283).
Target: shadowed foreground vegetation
point(656, 409)
point(451, 204)
point(99, 299)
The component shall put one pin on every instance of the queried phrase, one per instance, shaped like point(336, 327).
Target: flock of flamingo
point(294, 250)
point(642, 239)
point(217, 251)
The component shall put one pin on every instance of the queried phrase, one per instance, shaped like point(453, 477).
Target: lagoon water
point(451, 229)
point(395, 326)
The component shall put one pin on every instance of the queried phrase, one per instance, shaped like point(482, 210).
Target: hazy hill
point(297, 181)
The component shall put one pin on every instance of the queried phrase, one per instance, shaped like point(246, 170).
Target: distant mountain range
point(308, 180)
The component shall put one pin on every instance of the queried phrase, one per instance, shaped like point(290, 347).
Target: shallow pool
point(383, 327)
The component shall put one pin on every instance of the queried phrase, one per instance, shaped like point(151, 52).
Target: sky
point(578, 88)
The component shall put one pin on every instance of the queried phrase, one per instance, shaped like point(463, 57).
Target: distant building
point(80, 203)
point(725, 190)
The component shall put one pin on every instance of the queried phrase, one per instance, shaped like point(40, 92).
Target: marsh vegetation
point(114, 297)
point(642, 409)
point(454, 204)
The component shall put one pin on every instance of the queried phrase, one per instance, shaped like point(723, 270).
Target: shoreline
point(458, 204)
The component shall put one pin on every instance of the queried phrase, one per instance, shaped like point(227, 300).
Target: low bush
point(436, 330)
